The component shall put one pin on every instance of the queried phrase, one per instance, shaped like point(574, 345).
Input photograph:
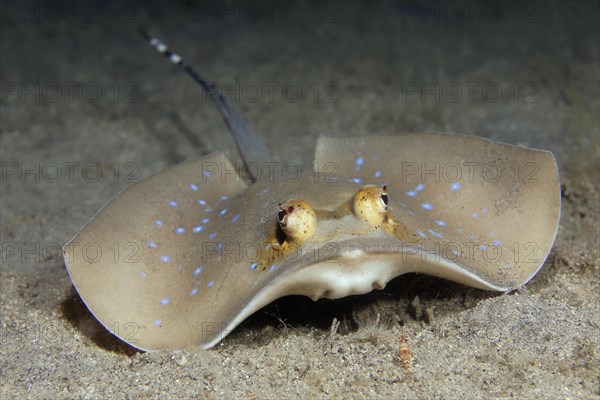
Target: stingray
point(179, 259)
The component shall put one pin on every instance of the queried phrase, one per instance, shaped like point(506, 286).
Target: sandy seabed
point(82, 89)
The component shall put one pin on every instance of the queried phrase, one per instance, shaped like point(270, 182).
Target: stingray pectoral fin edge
point(128, 262)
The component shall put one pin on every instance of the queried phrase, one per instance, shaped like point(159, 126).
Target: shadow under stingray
point(393, 305)
point(77, 314)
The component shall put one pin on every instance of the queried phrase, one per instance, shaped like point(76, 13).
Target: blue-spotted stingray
point(205, 247)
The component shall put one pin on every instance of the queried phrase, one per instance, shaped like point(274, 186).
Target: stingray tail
point(250, 147)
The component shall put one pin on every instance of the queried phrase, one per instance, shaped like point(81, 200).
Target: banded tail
point(250, 147)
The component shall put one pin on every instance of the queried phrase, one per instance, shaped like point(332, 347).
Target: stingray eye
point(370, 204)
point(297, 219)
point(384, 197)
point(281, 215)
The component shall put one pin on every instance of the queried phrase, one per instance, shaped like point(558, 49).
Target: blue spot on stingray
point(263, 191)
point(427, 206)
point(197, 271)
point(357, 180)
point(412, 213)
point(412, 193)
point(208, 210)
point(202, 202)
point(205, 220)
point(165, 259)
point(267, 247)
point(484, 247)
point(223, 211)
point(210, 284)
point(212, 235)
point(197, 229)
point(152, 245)
point(193, 292)
point(436, 234)
point(180, 230)
point(474, 215)
point(224, 197)
point(194, 187)
point(455, 252)
point(165, 301)
point(272, 268)
point(420, 187)
point(377, 174)
point(358, 163)
point(440, 222)
point(156, 322)
point(235, 219)
point(219, 245)
point(253, 265)
point(455, 186)
point(172, 203)
point(497, 242)
point(421, 234)
point(143, 274)
point(158, 223)
point(207, 174)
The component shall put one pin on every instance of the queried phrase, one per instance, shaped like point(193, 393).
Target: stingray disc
point(179, 259)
